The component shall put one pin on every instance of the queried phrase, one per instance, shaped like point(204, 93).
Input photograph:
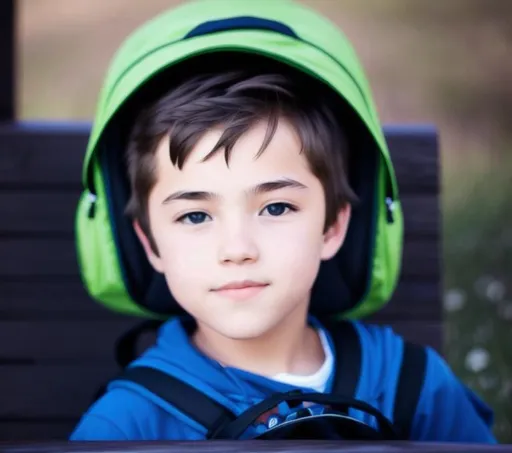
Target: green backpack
point(360, 279)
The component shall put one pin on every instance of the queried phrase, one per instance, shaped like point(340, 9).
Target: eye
point(278, 209)
point(193, 218)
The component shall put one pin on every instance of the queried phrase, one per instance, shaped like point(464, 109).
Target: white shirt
point(318, 380)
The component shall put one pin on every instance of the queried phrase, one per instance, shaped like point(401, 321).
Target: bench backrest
point(56, 344)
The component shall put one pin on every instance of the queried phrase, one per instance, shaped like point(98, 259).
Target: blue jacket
point(446, 411)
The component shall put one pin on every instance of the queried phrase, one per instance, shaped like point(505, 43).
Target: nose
point(237, 246)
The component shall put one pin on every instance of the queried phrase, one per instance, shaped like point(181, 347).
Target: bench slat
point(44, 430)
point(71, 341)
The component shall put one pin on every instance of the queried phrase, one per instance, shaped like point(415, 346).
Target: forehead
point(282, 157)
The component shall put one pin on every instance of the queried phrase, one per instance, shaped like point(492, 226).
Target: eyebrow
point(264, 187)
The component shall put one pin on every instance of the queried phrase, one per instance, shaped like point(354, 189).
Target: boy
point(239, 190)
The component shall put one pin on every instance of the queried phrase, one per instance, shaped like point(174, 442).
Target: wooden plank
point(53, 212)
point(414, 300)
point(70, 341)
point(65, 390)
point(50, 391)
point(26, 342)
point(51, 154)
point(67, 299)
point(42, 211)
point(33, 430)
point(252, 446)
point(54, 298)
point(422, 216)
point(421, 259)
point(415, 154)
point(37, 257)
point(42, 257)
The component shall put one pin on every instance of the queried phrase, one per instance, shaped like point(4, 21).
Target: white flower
point(454, 300)
point(495, 291)
point(477, 360)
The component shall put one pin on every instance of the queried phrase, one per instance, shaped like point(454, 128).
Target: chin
point(245, 329)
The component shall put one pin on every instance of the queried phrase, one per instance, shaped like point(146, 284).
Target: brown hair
point(237, 100)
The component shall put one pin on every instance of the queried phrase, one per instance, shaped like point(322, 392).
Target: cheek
point(185, 266)
point(294, 249)
point(184, 256)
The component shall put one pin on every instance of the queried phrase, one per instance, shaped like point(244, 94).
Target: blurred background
point(447, 63)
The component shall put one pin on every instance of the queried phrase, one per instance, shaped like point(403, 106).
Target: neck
point(292, 346)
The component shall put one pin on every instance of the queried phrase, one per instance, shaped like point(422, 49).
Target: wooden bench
point(56, 344)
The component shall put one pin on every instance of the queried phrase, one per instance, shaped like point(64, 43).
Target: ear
point(153, 258)
point(335, 235)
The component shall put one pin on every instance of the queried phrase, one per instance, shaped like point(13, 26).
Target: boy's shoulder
point(117, 415)
point(446, 410)
point(381, 348)
point(379, 359)
point(382, 355)
point(122, 414)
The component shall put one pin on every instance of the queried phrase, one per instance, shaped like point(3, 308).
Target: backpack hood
point(113, 266)
point(280, 29)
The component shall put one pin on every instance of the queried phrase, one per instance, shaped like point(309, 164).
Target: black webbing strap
point(410, 384)
point(347, 350)
point(126, 345)
point(184, 397)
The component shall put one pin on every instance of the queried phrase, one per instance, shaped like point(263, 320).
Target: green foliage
point(478, 281)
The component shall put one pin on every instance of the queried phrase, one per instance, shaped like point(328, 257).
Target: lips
point(241, 285)
point(241, 290)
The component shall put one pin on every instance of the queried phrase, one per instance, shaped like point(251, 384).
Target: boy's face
point(256, 225)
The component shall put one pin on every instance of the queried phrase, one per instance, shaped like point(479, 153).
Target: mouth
point(241, 285)
point(241, 290)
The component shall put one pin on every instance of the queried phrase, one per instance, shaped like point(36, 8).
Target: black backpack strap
point(410, 384)
point(126, 344)
point(348, 356)
point(187, 399)
point(125, 350)
point(348, 353)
